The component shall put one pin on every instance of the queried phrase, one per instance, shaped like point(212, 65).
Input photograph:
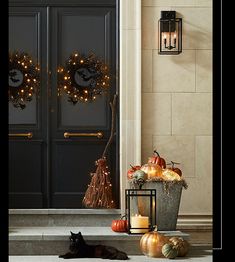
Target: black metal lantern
point(170, 33)
point(140, 210)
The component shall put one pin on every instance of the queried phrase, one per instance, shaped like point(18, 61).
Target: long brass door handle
point(28, 135)
point(98, 134)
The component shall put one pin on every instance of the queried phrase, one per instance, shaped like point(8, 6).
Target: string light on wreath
point(83, 78)
point(23, 79)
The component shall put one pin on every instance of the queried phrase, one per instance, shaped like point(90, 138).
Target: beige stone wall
point(177, 98)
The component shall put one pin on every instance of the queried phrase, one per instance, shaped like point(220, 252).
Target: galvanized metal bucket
point(167, 204)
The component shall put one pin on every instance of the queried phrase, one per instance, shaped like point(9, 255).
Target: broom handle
point(113, 109)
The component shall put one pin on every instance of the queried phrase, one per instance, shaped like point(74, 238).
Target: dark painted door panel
point(74, 161)
point(50, 170)
point(26, 174)
point(27, 156)
point(81, 30)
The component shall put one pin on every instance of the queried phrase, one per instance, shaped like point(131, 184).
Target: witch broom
point(99, 191)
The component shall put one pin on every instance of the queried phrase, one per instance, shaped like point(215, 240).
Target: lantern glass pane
point(141, 210)
point(170, 36)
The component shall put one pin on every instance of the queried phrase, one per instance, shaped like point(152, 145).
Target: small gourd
point(169, 250)
point(140, 174)
point(181, 244)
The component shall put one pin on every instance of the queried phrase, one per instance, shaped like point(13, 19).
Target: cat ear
point(71, 232)
point(79, 233)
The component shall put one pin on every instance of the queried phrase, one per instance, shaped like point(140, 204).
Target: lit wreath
point(23, 79)
point(83, 77)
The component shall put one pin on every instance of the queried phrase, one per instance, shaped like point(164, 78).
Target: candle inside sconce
point(139, 222)
point(169, 40)
point(175, 40)
point(164, 38)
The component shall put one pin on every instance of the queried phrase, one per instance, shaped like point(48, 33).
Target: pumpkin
point(120, 225)
point(156, 159)
point(168, 174)
point(152, 170)
point(175, 169)
point(181, 244)
point(131, 171)
point(140, 174)
point(169, 250)
point(151, 243)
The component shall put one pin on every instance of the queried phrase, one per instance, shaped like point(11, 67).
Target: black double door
point(48, 169)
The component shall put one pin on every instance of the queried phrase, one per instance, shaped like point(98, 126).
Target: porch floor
point(193, 256)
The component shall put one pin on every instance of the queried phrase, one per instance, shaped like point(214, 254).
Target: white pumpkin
point(171, 175)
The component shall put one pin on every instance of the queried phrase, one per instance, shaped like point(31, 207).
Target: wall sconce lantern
point(140, 210)
point(170, 33)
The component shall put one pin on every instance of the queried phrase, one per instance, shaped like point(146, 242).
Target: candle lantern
point(140, 210)
point(170, 33)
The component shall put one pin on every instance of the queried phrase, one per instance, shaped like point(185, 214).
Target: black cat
point(78, 249)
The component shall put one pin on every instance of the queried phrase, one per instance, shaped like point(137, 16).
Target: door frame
point(130, 89)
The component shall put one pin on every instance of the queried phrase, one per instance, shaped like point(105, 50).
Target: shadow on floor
point(196, 253)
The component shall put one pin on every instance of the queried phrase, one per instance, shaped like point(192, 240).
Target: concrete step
point(62, 217)
point(193, 256)
point(55, 240)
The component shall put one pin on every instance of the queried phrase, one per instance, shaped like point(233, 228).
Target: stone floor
point(196, 256)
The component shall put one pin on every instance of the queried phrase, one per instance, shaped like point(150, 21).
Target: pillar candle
point(139, 221)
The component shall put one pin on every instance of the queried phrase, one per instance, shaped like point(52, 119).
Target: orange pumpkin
point(152, 170)
point(151, 243)
point(156, 159)
point(132, 170)
point(175, 169)
point(120, 225)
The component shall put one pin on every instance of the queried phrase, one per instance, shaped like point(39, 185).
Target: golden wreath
point(23, 79)
point(83, 78)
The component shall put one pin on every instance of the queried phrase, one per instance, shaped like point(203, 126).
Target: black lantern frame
point(140, 205)
point(169, 33)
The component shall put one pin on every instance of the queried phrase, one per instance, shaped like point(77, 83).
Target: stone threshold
point(64, 211)
point(89, 233)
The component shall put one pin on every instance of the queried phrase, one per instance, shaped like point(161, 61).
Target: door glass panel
point(75, 38)
point(18, 116)
point(23, 37)
point(23, 34)
point(84, 114)
point(82, 38)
